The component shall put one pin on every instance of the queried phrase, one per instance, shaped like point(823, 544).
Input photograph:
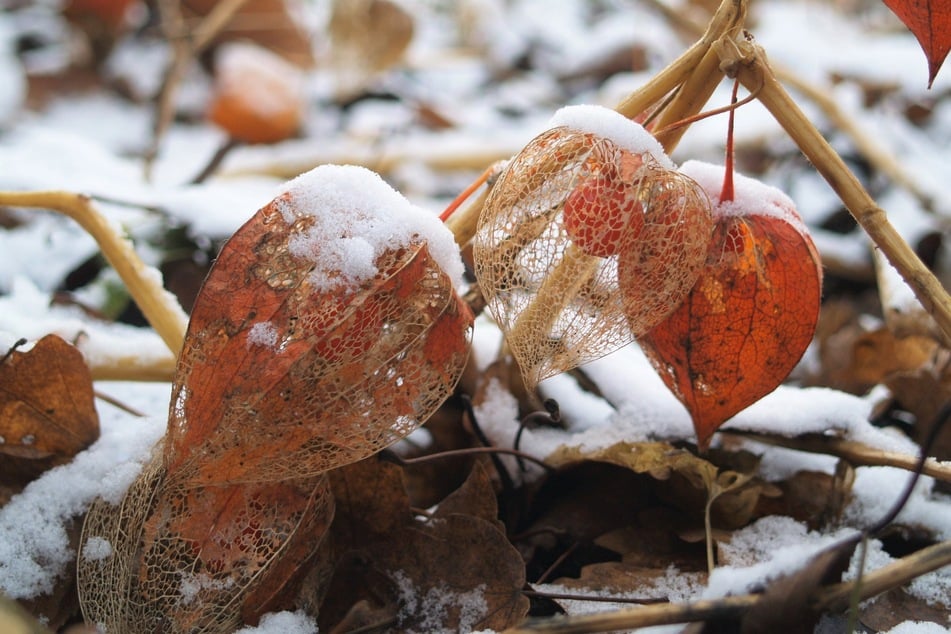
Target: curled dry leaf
point(47, 413)
point(662, 461)
point(279, 381)
point(568, 216)
point(751, 314)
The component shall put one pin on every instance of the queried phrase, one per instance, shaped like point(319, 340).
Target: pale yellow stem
point(160, 308)
point(749, 65)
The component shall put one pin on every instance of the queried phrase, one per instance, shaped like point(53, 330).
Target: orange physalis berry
point(258, 97)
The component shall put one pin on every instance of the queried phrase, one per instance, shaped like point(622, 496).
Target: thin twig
point(648, 615)
point(566, 596)
point(389, 456)
point(215, 161)
point(833, 598)
point(854, 452)
point(102, 396)
point(185, 47)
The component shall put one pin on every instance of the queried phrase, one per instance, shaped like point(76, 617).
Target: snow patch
point(283, 623)
point(97, 549)
point(432, 608)
point(357, 216)
point(32, 560)
point(263, 333)
point(610, 124)
point(750, 196)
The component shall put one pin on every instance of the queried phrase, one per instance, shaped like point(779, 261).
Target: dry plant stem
point(185, 47)
point(833, 598)
point(463, 223)
point(572, 272)
point(693, 95)
point(215, 161)
point(754, 73)
point(865, 144)
point(648, 615)
point(159, 308)
point(855, 453)
point(132, 368)
point(728, 17)
point(836, 598)
point(297, 157)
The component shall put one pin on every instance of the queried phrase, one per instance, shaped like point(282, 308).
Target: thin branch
point(185, 47)
point(894, 575)
point(833, 598)
point(648, 615)
point(854, 452)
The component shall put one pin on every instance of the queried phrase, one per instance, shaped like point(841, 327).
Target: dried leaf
point(47, 411)
point(896, 606)
point(476, 497)
point(786, 605)
point(930, 21)
point(368, 37)
point(458, 572)
point(855, 360)
point(630, 580)
point(735, 494)
point(657, 459)
point(371, 503)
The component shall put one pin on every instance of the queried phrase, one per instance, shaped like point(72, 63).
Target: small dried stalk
point(145, 286)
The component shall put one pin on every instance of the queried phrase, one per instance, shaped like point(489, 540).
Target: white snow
point(431, 608)
point(96, 549)
point(357, 217)
point(34, 525)
point(750, 196)
point(283, 623)
point(263, 333)
point(609, 124)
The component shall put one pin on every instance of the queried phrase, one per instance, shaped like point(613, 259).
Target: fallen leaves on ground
point(47, 413)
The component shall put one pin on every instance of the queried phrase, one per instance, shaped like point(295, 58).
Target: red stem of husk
point(726, 193)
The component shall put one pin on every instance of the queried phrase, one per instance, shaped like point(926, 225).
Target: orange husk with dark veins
point(554, 232)
point(279, 381)
point(750, 316)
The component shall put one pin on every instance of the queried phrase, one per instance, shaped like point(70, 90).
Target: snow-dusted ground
point(88, 143)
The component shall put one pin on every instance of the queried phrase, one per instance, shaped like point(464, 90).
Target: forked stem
point(748, 64)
